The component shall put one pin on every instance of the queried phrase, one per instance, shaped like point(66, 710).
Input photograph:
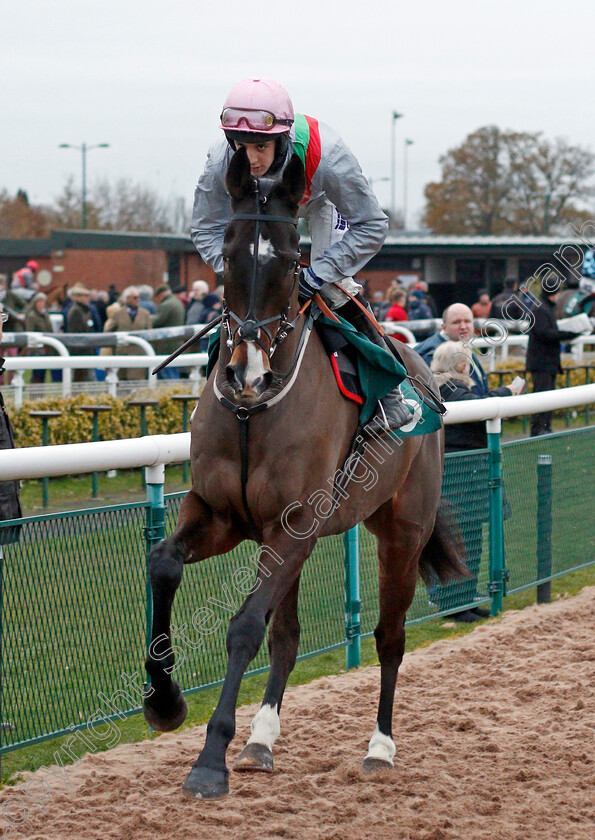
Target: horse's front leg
point(280, 563)
point(284, 639)
point(196, 536)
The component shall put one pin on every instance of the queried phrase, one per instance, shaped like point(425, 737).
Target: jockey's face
point(260, 155)
point(458, 322)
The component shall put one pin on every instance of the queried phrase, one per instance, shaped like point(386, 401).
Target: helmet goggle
point(232, 118)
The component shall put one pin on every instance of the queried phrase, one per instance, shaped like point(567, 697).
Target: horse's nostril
point(262, 382)
point(234, 377)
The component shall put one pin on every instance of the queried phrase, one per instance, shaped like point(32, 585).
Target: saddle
point(342, 357)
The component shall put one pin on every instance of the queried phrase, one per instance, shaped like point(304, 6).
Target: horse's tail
point(442, 557)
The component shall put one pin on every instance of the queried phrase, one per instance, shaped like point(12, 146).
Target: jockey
point(345, 221)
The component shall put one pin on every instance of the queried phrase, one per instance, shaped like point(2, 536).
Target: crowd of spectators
point(141, 307)
point(79, 309)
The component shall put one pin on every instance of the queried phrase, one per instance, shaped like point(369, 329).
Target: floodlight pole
point(405, 161)
point(84, 149)
point(393, 177)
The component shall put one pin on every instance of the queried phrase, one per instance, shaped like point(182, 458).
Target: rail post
point(94, 411)
point(352, 598)
point(184, 399)
point(45, 417)
point(154, 533)
point(544, 528)
point(497, 570)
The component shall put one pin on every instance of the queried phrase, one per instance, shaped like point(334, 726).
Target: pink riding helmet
point(257, 106)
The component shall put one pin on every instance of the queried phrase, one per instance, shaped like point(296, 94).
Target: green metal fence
point(73, 591)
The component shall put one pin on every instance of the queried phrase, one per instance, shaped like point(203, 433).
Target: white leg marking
point(382, 747)
point(265, 727)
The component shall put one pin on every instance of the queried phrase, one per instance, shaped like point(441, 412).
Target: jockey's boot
point(391, 412)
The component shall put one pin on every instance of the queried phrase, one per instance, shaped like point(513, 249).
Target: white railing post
point(66, 382)
point(112, 382)
point(194, 379)
point(18, 383)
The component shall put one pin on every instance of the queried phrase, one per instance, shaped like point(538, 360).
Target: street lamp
point(84, 149)
point(406, 146)
point(393, 208)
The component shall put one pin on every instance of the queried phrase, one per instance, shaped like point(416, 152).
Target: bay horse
point(274, 378)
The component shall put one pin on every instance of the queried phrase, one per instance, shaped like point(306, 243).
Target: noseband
point(247, 329)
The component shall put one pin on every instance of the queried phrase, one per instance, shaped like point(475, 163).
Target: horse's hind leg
point(195, 537)
point(402, 529)
point(284, 638)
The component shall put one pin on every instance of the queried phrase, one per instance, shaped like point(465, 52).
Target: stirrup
point(391, 414)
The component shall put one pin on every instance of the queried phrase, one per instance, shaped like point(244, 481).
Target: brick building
point(455, 267)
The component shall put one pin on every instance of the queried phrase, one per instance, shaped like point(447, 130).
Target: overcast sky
point(149, 78)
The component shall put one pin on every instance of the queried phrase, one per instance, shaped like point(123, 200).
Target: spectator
point(38, 320)
point(397, 312)
point(126, 317)
point(23, 283)
point(212, 306)
point(181, 294)
point(95, 316)
point(481, 308)
point(380, 305)
point(10, 506)
point(15, 319)
point(417, 310)
point(79, 319)
point(428, 299)
point(100, 302)
point(146, 299)
point(451, 366)
point(543, 355)
point(170, 313)
point(14, 302)
point(194, 311)
point(507, 305)
point(457, 325)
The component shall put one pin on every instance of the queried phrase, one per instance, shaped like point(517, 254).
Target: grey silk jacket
point(340, 194)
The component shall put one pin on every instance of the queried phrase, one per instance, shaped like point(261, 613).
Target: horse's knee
point(245, 634)
point(166, 563)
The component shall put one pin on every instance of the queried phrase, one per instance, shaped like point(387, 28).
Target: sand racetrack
point(494, 733)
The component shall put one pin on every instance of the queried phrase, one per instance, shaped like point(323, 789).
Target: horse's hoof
point(165, 714)
point(205, 783)
point(255, 757)
point(375, 765)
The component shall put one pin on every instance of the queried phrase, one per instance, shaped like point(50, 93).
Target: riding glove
point(309, 284)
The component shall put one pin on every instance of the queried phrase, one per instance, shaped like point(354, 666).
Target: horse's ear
point(293, 183)
point(239, 182)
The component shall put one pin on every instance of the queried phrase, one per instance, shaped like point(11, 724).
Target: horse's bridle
point(247, 328)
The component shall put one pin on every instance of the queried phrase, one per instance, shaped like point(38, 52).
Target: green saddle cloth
point(379, 373)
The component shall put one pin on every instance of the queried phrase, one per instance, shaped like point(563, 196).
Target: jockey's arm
point(340, 177)
point(212, 207)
